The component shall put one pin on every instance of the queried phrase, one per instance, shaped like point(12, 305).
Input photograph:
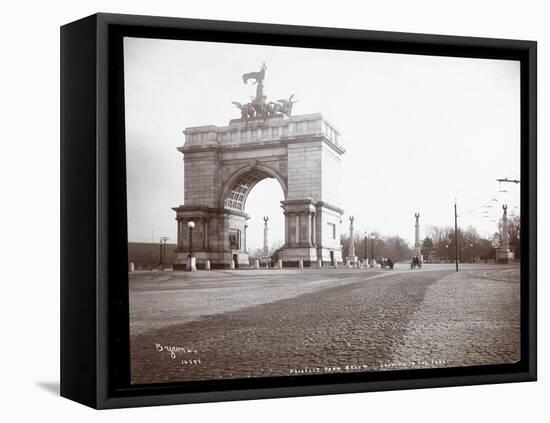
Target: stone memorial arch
point(223, 164)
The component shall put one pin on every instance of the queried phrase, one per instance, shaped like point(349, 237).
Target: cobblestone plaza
point(258, 323)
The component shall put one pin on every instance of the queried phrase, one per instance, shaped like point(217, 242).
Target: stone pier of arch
point(223, 164)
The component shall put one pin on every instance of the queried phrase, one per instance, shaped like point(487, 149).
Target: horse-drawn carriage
point(416, 262)
point(386, 263)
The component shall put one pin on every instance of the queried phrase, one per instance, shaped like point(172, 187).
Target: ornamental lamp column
point(192, 266)
point(351, 258)
point(266, 247)
point(505, 239)
point(190, 225)
point(351, 236)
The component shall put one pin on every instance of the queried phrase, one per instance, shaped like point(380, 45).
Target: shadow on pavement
point(51, 387)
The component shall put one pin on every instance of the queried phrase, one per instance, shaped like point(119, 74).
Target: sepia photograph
point(297, 211)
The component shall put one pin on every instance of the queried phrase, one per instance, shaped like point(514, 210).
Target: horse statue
point(286, 105)
point(247, 110)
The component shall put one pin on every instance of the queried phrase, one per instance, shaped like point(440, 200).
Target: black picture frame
point(94, 295)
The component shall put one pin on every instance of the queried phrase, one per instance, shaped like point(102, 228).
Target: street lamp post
point(372, 238)
point(192, 267)
point(365, 245)
point(464, 255)
point(162, 252)
point(372, 247)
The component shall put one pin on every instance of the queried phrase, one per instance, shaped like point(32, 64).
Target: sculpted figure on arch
point(259, 107)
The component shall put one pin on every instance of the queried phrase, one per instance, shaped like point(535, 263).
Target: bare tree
point(393, 247)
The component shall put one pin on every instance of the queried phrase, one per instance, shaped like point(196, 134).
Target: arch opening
point(264, 201)
point(238, 188)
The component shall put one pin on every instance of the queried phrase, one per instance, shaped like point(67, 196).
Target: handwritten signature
point(173, 349)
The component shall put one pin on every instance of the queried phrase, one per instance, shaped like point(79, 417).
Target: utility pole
point(456, 239)
point(152, 249)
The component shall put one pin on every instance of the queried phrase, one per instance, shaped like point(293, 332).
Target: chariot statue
point(259, 107)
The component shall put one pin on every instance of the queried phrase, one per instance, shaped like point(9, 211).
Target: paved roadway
point(237, 324)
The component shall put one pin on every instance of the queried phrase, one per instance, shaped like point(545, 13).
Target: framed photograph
point(255, 211)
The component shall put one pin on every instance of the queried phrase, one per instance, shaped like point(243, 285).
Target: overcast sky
point(419, 131)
